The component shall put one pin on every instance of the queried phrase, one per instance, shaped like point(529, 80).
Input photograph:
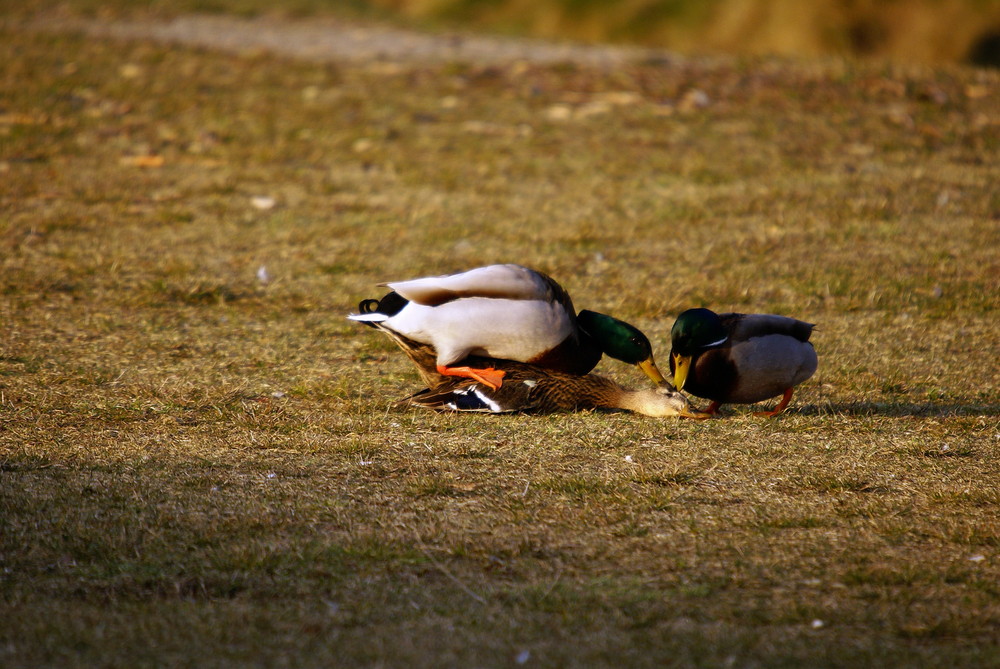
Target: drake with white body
point(505, 312)
point(501, 311)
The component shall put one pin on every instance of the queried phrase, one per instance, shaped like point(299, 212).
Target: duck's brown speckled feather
point(531, 389)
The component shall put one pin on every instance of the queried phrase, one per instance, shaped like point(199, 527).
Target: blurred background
point(919, 31)
point(928, 31)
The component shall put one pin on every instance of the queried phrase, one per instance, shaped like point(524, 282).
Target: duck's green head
point(621, 341)
point(694, 330)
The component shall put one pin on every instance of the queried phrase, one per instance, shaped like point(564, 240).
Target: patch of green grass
point(908, 575)
point(668, 479)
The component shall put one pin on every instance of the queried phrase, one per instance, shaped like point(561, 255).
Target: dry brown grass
point(201, 468)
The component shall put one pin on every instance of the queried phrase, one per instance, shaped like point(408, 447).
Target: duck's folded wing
point(512, 282)
point(747, 326)
point(466, 396)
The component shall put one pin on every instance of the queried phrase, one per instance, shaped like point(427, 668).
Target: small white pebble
point(523, 656)
point(817, 624)
point(262, 202)
point(262, 274)
point(277, 394)
point(977, 558)
point(628, 458)
point(695, 99)
point(272, 475)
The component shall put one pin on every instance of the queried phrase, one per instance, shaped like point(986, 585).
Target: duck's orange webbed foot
point(489, 376)
point(785, 399)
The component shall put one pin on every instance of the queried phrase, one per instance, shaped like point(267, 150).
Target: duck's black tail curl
point(390, 305)
point(369, 306)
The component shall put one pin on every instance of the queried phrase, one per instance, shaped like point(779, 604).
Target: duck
point(734, 358)
point(504, 312)
point(531, 389)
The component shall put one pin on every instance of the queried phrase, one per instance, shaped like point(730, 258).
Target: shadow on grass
point(896, 409)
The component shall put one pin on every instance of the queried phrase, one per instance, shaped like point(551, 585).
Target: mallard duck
point(740, 358)
point(506, 312)
point(530, 389)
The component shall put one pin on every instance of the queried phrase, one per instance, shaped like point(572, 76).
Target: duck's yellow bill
point(695, 414)
point(649, 368)
point(682, 365)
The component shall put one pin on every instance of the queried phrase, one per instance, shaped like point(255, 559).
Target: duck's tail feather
point(373, 317)
point(377, 311)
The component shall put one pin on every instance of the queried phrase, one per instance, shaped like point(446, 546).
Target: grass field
point(200, 461)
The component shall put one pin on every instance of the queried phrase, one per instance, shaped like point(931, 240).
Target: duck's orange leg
point(489, 376)
point(785, 399)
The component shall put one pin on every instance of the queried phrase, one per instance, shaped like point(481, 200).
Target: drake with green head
point(505, 312)
point(740, 358)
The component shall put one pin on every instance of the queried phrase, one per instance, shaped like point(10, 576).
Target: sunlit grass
point(202, 460)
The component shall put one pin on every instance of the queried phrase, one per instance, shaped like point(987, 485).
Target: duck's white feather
point(374, 317)
point(496, 328)
point(494, 281)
